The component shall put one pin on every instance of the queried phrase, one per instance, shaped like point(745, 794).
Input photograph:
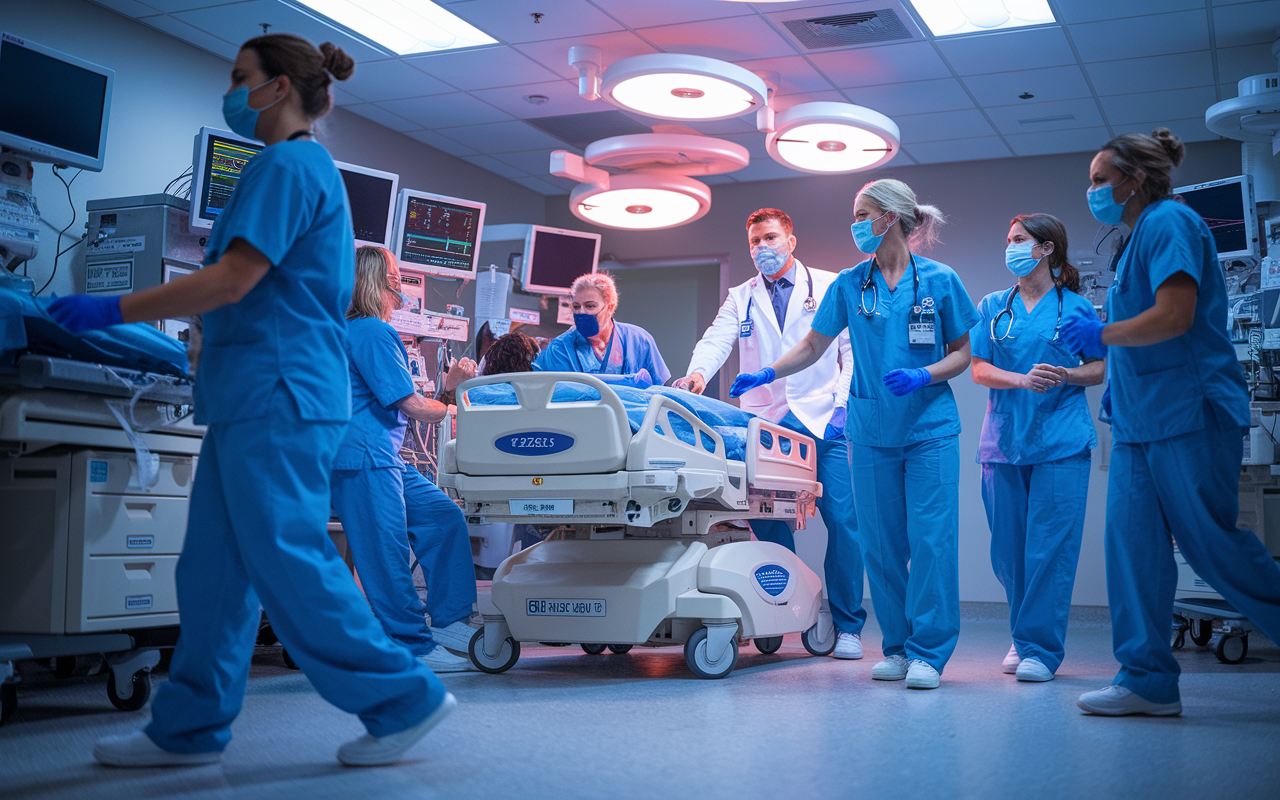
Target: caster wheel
point(141, 685)
point(1180, 640)
point(824, 646)
point(8, 700)
point(288, 659)
point(507, 656)
point(620, 648)
point(63, 667)
point(1201, 632)
point(769, 645)
point(594, 649)
point(695, 655)
point(266, 635)
point(1232, 649)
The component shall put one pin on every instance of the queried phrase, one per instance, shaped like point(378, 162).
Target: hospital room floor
point(562, 724)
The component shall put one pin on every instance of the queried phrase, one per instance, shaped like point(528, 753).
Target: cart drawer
point(123, 592)
point(134, 524)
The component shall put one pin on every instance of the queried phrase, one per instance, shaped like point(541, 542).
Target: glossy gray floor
point(565, 725)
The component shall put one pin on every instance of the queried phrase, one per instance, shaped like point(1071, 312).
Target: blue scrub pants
point(1185, 487)
point(908, 502)
point(384, 512)
point(256, 538)
point(1036, 514)
point(843, 563)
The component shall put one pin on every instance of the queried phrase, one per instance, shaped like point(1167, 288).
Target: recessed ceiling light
point(677, 86)
point(641, 201)
point(832, 138)
point(405, 27)
point(953, 17)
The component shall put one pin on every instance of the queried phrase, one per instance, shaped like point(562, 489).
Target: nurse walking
point(1179, 414)
point(273, 390)
point(1036, 439)
point(908, 319)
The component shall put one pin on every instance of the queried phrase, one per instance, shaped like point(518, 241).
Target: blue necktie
point(779, 299)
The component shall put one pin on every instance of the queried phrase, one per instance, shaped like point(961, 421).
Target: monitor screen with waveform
point(439, 234)
point(225, 159)
point(1222, 208)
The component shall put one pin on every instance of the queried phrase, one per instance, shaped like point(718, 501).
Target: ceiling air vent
point(580, 130)
point(845, 30)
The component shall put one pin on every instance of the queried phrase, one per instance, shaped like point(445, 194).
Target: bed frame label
point(533, 443)
point(565, 608)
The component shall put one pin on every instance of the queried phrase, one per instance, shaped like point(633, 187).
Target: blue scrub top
point(876, 418)
point(379, 379)
point(291, 205)
point(1159, 391)
point(631, 349)
point(1022, 427)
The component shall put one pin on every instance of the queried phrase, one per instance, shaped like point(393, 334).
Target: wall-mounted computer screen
point(438, 235)
point(216, 164)
point(1228, 209)
point(371, 194)
point(554, 257)
point(53, 107)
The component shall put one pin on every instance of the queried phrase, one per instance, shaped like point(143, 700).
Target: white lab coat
point(813, 394)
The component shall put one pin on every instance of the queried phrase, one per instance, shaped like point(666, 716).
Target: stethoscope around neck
point(1008, 312)
point(810, 305)
point(869, 283)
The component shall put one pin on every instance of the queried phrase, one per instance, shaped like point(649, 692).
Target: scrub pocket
point(862, 423)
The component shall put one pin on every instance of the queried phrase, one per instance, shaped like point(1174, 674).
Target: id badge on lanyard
point(922, 325)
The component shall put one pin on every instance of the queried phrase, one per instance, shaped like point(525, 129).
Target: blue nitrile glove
point(906, 381)
point(747, 381)
point(1082, 333)
point(835, 428)
point(1105, 416)
point(83, 312)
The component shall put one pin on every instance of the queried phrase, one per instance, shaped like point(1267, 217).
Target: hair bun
point(1172, 145)
point(336, 61)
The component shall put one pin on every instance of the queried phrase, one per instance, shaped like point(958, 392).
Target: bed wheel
point(1201, 631)
point(820, 640)
point(593, 649)
point(695, 655)
point(141, 686)
point(507, 656)
point(288, 659)
point(769, 645)
point(620, 648)
point(1232, 649)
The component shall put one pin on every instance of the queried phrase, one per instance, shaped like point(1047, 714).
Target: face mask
point(1104, 207)
point(1017, 257)
point(867, 241)
point(587, 324)
point(768, 260)
point(240, 118)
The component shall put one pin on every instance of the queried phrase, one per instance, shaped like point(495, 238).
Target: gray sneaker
point(1033, 670)
point(893, 668)
point(1010, 664)
point(441, 660)
point(848, 645)
point(1116, 701)
point(920, 675)
point(456, 637)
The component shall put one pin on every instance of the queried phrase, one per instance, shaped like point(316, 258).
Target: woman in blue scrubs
point(1179, 414)
point(273, 390)
point(385, 505)
point(597, 343)
point(908, 319)
point(1036, 440)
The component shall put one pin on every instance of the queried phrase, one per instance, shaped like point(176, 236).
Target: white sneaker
point(370, 751)
point(1010, 664)
point(1033, 669)
point(893, 668)
point(922, 676)
point(137, 750)
point(848, 645)
point(456, 637)
point(441, 660)
point(1116, 701)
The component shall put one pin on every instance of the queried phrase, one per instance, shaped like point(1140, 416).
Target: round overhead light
point(683, 154)
point(832, 138)
point(677, 86)
point(641, 201)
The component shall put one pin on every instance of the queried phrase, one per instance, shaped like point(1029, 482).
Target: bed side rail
point(789, 462)
point(657, 446)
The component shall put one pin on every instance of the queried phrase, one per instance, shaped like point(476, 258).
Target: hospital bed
point(644, 552)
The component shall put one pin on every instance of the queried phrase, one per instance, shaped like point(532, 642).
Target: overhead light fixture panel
point(402, 27)
point(832, 138)
point(683, 87)
point(641, 201)
point(955, 17)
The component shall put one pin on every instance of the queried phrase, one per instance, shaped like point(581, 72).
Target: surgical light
point(683, 87)
point(953, 17)
point(641, 201)
point(832, 138)
point(405, 27)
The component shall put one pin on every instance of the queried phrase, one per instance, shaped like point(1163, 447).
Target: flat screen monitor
point(554, 258)
point(371, 194)
point(438, 235)
point(1228, 209)
point(216, 164)
point(53, 107)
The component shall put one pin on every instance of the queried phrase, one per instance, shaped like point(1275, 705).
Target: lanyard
point(810, 305)
point(1008, 311)
point(604, 362)
point(869, 283)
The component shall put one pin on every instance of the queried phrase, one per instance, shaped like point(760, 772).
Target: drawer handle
point(139, 572)
point(139, 510)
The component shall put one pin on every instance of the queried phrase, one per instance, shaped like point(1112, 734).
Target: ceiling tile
point(341, 97)
point(920, 97)
point(540, 186)
point(1093, 10)
point(565, 184)
point(783, 102)
point(1052, 116)
point(754, 142)
point(1237, 63)
point(512, 21)
point(240, 22)
point(1007, 51)
point(872, 66)
point(959, 150)
point(639, 14)
point(1152, 35)
point(1053, 83)
point(495, 166)
point(712, 180)
point(795, 74)
point(533, 162)
point(485, 68)
point(170, 6)
point(1189, 130)
point(393, 80)
point(562, 98)
point(1081, 140)
point(943, 125)
point(765, 169)
point(205, 41)
point(1174, 104)
point(1153, 74)
point(445, 110)
point(501, 137)
point(732, 39)
point(714, 127)
point(381, 116)
point(442, 143)
point(554, 54)
point(130, 8)
point(1250, 23)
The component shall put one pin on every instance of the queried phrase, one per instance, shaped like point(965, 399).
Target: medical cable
point(59, 253)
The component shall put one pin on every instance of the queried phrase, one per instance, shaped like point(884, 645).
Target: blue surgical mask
point(1104, 206)
point(1018, 258)
point(587, 324)
point(769, 261)
point(240, 118)
point(867, 241)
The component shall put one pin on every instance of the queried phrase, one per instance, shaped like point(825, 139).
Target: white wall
point(165, 90)
point(979, 199)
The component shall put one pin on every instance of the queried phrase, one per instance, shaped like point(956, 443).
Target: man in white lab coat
point(767, 316)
